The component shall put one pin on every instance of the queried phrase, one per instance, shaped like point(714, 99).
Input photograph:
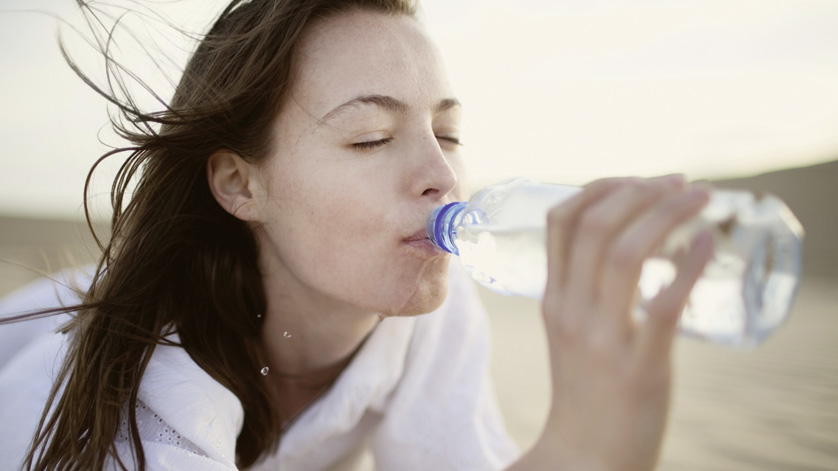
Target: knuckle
point(604, 183)
point(648, 193)
point(602, 345)
point(672, 205)
point(668, 206)
point(550, 303)
point(666, 307)
point(563, 322)
point(557, 216)
point(624, 255)
point(568, 331)
point(593, 223)
point(652, 190)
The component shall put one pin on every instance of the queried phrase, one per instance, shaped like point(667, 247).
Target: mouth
point(419, 235)
point(420, 242)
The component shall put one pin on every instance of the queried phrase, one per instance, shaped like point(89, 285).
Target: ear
point(231, 181)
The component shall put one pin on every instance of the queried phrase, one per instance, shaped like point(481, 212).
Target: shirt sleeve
point(57, 290)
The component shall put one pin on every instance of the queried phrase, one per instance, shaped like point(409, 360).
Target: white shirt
point(417, 396)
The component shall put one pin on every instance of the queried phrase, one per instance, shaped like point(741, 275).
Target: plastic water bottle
point(744, 295)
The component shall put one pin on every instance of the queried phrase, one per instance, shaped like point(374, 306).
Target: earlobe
point(230, 180)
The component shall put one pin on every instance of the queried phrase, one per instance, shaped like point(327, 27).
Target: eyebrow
point(388, 103)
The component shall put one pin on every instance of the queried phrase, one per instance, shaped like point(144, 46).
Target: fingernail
point(675, 179)
point(704, 242)
point(698, 193)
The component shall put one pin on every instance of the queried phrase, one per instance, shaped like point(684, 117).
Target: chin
point(427, 295)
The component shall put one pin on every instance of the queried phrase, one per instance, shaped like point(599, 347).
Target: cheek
point(378, 275)
point(333, 240)
point(332, 243)
point(462, 191)
point(348, 261)
point(336, 236)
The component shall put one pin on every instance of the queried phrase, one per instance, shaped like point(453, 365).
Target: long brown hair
point(175, 260)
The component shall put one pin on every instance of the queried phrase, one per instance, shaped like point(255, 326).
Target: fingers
point(560, 223)
point(560, 320)
point(604, 222)
point(597, 244)
point(639, 241)
point(663, 311)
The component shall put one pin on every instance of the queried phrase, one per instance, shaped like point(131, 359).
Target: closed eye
point(367, 145)
point(453, 140)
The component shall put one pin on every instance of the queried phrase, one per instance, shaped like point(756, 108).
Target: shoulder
point(185, 401)
point(165, 447)
point(25, 384)
point(59, 289)
point(186, 419)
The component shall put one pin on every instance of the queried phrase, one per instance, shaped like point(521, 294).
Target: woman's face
point(365, 147)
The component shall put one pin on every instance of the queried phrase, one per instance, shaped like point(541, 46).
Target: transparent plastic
point(746, 291)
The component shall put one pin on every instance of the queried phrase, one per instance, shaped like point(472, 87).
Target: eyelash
point(372, 144)
point(367, 145)
point(452, 140)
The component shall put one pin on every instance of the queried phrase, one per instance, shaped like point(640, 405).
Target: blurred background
point(741, 92)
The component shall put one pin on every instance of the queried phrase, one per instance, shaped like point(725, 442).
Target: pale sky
point(564, 91)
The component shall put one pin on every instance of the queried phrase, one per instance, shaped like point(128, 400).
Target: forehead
point(364, 53)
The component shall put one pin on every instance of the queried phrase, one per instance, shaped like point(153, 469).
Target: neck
point(304, 332)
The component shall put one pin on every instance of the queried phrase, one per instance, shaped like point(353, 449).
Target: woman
point(255, 306)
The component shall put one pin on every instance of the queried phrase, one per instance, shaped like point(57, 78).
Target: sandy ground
point(772, 408)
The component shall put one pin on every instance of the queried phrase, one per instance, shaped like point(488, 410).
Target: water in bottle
point(745, 292)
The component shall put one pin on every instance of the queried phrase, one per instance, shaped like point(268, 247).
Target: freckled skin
point(334, 217)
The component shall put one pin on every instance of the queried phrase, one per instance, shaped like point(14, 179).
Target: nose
point(434, 176)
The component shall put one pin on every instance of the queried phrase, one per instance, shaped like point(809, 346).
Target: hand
point(610, 375)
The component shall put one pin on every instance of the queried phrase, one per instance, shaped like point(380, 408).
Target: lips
point(421, 234)
point(419, 243)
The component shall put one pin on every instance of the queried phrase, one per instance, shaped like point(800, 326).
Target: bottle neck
point(442, 224)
